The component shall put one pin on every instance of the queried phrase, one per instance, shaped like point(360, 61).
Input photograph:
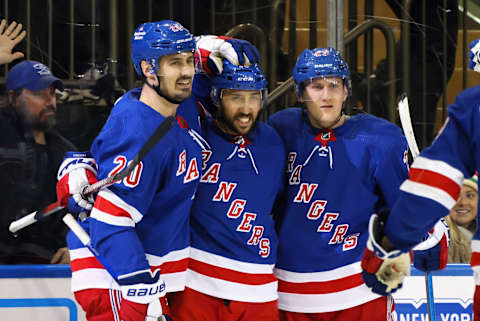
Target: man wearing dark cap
point(30, 153)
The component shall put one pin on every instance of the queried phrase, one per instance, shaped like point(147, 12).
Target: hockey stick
point(405, 120)
point(54, 208)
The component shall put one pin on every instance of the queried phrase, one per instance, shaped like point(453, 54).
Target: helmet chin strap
point(161, 94)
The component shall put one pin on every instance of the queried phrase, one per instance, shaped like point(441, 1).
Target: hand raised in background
point(9, 38)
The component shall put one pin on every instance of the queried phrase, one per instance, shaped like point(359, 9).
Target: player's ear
point(345, 91)
point(149, 72)
point(147, 69)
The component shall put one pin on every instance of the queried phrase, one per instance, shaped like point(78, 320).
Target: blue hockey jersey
point(141, 222)
point(234, 243)
point(336, 180)
point(437, 174)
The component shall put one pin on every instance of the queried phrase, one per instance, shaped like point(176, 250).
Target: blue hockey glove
point(246, 52)
point(211, 50)
point(383, 271)
point(141, 295)
point(432, 253)
point(77, 170)
point(474, 55)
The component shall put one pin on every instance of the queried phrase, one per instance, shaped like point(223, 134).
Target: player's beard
point(228, 123)
point(175, 98)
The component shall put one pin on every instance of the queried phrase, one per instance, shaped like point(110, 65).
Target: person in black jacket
point(30, 153)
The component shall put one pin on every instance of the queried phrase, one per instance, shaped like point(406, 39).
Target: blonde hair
point(459, 250)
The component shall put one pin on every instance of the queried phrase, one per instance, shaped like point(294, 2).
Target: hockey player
point(340, 169)
point(163, 46)
point(234, 244)
point(434, 184)
point(140, 225)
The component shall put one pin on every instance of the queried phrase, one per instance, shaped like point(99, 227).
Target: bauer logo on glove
point(145, 291)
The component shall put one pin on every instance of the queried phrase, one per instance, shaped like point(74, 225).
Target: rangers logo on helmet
point(321, 52)
point(176, 27)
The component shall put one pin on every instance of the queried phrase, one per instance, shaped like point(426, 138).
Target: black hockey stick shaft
point(54, 208)
point(161, 130)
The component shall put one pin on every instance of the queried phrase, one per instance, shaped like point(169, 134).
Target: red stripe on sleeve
point(106, 206)
point(435, 180)
point(85, 263)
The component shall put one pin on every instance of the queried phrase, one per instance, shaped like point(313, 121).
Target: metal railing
point(358, 31)
point(106, 27)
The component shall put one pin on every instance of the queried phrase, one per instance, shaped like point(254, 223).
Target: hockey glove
point(211, 50)
point(432, 253)
point(474, 55)
point(141, 295)
point(382, 271)
point(76, 171)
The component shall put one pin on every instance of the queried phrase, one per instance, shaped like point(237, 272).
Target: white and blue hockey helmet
point(320, 63)
point(153, 40)
point(240, 78)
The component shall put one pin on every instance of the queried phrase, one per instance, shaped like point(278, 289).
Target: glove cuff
point(375, 229)
point(147, 289)
point(74, 160)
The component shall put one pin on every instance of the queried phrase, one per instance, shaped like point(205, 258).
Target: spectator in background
point(462, 221)
point(30, 153)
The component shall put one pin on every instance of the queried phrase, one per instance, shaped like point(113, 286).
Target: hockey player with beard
point(140, 226)
point(234, 244)
point(340, 169)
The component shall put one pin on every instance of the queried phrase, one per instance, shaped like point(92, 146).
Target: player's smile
point(244, 122)
point(184, 84)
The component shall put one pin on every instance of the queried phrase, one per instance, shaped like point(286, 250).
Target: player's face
point(465, 210)
point(38, 107)
point(324, 98)
point(238, 110)
point(176, 75)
